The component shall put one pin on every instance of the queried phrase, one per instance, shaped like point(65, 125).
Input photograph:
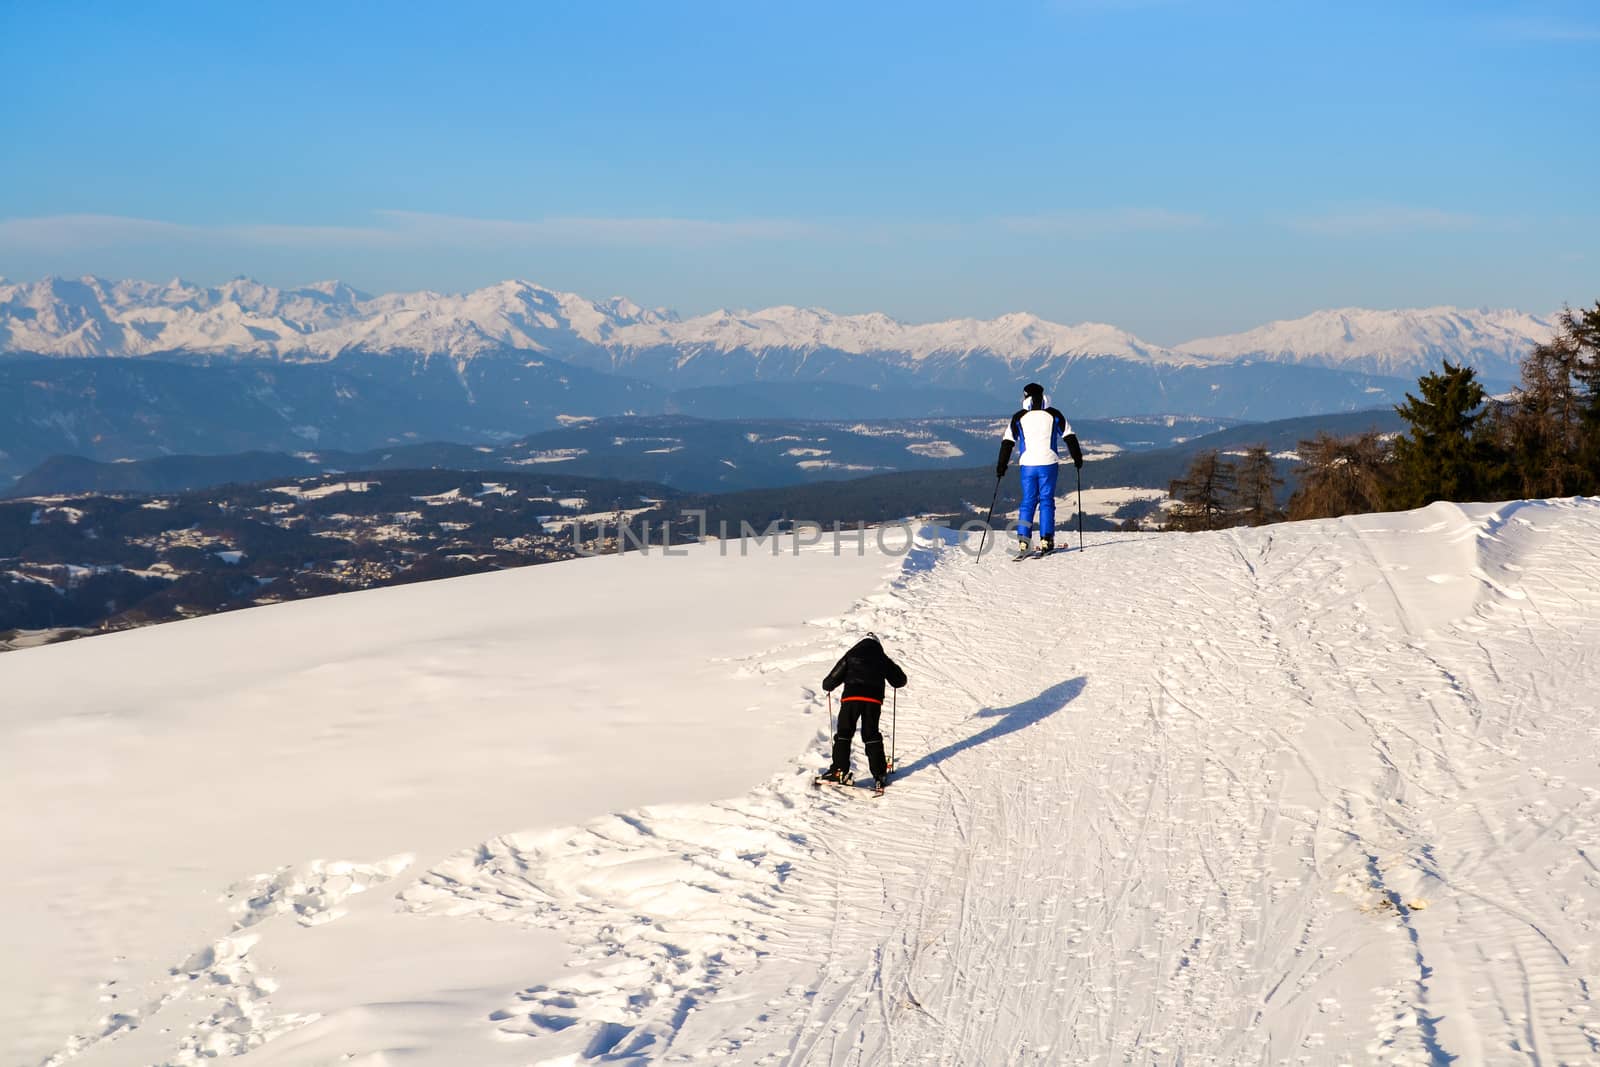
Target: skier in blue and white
point(1037, 433)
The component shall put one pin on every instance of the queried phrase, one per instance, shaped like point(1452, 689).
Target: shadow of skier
point(1011, 719)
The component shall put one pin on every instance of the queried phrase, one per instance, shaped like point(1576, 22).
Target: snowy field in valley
point(1101, 503)
point(1315, 793)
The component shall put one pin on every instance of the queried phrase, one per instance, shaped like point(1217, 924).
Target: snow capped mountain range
point(1014, 337)
point(1400, 343)
point(94, 317)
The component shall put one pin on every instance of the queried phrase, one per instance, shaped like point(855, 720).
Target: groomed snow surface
point(1321, 792)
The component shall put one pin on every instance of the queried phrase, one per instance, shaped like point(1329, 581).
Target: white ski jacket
point(1037, 432)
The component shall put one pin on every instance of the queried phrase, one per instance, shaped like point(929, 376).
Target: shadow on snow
point(1008, 720)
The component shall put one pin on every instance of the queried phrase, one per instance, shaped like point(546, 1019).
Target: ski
point(854, 789)
point(848, 786)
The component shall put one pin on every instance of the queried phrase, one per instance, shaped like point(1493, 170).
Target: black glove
point(1003, 460)
point(1077, 452)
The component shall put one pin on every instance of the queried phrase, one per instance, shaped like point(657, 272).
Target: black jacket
point(863, 670)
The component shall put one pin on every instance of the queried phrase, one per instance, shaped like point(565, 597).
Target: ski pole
point(1080, 506)
point(987, 518)
point(894, 715)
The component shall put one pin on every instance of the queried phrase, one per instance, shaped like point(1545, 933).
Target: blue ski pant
point(1038, 491)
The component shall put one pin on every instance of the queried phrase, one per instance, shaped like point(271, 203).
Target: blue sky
point(1177, 168)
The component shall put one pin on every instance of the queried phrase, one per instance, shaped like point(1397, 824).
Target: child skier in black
point(863, 671)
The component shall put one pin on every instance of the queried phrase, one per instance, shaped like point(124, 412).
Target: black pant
point(867, 711)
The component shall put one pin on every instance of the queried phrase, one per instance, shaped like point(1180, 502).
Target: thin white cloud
point(1103, 223)
point(87, 231)
point(412, 229)
point(647, 231)
point(59, 232)
point(1543, 28)
point(1387, 219)
point(291, 236)
point(397, 229)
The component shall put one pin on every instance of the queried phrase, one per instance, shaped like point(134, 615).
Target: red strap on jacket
point(869, 700)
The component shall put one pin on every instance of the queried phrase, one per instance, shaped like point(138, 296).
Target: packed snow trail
point(1320, 793)
point(1310, 794)
point(1326, 792)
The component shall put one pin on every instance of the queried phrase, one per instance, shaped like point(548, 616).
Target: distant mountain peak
point(338, 289)
point(93, 316)
point(1404, 342)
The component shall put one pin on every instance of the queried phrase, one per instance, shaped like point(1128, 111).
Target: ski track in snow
point(1310, 800)
point(1294, 806)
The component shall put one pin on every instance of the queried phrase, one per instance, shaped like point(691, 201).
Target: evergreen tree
point(1499, 475)
point(1341, 476)
point(1204, 495)
point(1257, 486)
point(1445, 454)
point(1584, 329)
point(1545, 429)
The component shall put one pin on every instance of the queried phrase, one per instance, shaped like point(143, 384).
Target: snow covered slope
point(181, 791)
point(1321, 792)
point(1404, 344)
